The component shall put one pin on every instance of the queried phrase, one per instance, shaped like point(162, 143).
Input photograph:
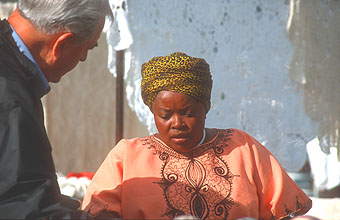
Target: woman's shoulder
point(233, 138)
point(131, 144)
point(232, 132)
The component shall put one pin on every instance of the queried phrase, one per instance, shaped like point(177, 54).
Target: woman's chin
point(181, 145)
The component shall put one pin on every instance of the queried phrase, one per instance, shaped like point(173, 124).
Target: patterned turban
point(176, 72)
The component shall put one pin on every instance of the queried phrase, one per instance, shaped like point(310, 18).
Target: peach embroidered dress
point(230, 177)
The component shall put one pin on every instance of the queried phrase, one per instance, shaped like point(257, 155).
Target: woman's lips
point(179, 138)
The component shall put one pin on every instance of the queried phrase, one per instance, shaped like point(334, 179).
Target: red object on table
point(89, 175)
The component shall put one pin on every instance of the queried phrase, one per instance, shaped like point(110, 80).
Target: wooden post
point(119, 94)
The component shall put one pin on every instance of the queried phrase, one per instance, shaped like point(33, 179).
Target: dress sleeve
point(279, 196)
point(103, 196)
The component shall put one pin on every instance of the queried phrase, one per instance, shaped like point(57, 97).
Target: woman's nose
point(177, 121)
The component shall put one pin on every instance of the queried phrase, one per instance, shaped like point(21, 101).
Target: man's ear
point(62, 41)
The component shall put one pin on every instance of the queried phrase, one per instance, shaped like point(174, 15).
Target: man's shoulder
point(15, 94)
point(12, 61)
point(11, 84)
point(10, 77)
point(8, 63)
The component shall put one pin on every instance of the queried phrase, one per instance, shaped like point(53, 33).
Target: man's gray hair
point(81, 17)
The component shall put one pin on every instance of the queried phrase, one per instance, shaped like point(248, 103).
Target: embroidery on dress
point(198, 183)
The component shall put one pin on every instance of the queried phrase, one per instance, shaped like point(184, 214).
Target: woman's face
point(179, 119)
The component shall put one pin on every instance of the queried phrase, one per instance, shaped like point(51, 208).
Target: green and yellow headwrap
point(176, 72)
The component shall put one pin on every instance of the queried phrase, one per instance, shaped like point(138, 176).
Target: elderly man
point(40, 42)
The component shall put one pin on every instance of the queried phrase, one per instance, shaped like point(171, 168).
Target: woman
point(187, 169)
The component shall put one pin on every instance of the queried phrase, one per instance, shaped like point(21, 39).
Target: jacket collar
point(32, 71)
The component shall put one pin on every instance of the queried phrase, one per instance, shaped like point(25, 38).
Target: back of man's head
point(81, 17)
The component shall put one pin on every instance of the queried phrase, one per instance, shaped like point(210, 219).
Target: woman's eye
point(189, 114)
point(165, 116)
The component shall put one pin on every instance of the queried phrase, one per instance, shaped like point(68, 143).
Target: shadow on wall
point(315, 66)
point(315, 35)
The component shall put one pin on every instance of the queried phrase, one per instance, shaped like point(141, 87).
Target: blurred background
point(276, 75)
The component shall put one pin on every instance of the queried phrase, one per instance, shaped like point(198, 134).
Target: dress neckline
point(193, 152)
